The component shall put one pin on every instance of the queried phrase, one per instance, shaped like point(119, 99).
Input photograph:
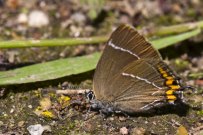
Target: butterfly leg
point(104, 113)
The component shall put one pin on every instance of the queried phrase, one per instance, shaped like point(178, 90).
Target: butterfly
point(131, 76)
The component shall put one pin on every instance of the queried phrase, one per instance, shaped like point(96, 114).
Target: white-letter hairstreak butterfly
point(131, 76)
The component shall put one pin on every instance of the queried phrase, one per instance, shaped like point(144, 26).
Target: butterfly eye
point(90, 95)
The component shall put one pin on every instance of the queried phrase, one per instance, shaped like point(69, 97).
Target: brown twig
point(72, 91)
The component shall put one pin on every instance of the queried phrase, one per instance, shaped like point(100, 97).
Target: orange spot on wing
point(169, 78)
point(169, 82)
point(174, 87)
point(169, 92)
point(165, 75)
point(171, 97)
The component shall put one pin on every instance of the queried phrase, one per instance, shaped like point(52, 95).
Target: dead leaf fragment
point(181, 130)
point(45, 103)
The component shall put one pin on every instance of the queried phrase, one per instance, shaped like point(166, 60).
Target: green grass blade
point(51, 42)
point(167, 41)
point(196, 75)
point(49, 70)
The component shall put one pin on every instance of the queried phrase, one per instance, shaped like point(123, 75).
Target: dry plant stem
point(175, 29)
point(72, 91)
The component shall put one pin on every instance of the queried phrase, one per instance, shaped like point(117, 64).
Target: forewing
point(125, 46)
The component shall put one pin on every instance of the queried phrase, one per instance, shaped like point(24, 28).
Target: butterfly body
point(131, 76)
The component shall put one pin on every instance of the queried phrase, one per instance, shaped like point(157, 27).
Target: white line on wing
point(110, 43)
point(143, 79)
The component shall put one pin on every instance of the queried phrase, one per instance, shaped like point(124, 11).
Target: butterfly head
point(97, 105)
point(90, 95)
point(94, 104)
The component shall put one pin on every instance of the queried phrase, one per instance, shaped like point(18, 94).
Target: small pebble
point(111, 118)
point(12, 110)
point(138, 131)
point(21, 123)
point(121, 118)
point(30, 106)
point(35, 129)
point(22, 18)
point(78, 18)
point(1, 123)
point(5, 115)
point(38, 19)
point(124, 131)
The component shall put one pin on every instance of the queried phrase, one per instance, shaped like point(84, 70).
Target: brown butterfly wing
point(124, 46)
point(137, 86)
